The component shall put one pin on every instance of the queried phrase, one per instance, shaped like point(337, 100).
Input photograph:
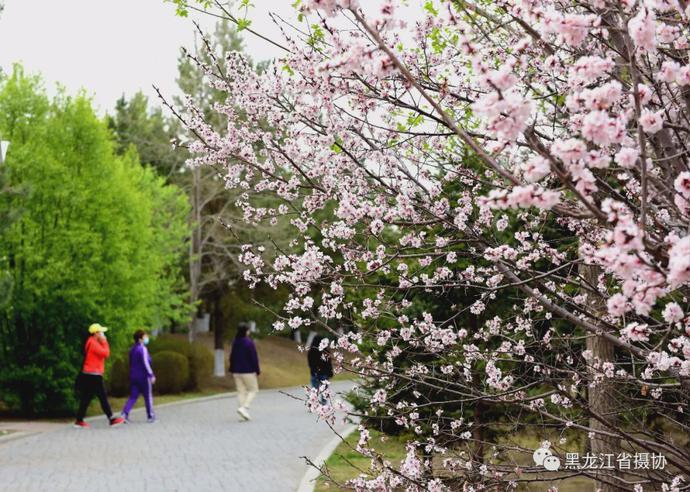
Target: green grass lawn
point(345, 463)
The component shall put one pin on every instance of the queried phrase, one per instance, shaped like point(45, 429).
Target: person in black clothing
point(319, 363)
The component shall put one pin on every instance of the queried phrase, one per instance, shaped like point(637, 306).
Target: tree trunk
point(478, 424)
point(478, 432)
point(218, 336)
point(601, 396)
point(195, 247)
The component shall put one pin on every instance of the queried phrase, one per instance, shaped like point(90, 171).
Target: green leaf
point(243, 24)
point(437, 41)
point(429, 7)
point(414, 119)
point(316, 36)
point(337, 146)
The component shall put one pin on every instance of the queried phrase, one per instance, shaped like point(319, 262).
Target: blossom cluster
point(475, 198)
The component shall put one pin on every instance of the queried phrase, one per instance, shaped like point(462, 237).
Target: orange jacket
point(97, 350)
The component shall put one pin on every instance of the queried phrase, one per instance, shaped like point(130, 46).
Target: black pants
point(91, 385)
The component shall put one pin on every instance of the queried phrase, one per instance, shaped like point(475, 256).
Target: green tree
point(7, 216)
point(218, 229)
point(99, 239)
point(136, 123)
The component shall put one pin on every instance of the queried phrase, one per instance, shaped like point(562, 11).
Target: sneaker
point(151, 420)
point(244, 413)
point(80, 424)
point(125, 417)
point(116, 421)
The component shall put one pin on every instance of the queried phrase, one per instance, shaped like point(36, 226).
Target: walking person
point(90, 379)
point(141, 377)
point(244, 366)
point(320, 365)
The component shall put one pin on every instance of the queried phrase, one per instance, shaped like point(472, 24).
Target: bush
point(118, 380)
point(172, 371)
point(170, 343)
point(199, 358)
point(44, 385)
point(200, 366)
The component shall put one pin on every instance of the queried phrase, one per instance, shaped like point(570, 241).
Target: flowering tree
point(497, 196)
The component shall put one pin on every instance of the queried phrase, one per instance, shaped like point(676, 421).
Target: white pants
point(247, 385)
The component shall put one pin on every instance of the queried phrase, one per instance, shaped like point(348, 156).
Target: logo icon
point(544, 457)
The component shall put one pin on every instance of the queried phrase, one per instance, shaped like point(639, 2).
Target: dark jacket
point(243, 358)
point(319, 362)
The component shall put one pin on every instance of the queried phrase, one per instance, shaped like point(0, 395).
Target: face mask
point(146, 340)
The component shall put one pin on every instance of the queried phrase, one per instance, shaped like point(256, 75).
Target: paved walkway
point(196, 446)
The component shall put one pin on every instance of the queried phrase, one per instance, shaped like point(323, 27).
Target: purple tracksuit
point(140, 374)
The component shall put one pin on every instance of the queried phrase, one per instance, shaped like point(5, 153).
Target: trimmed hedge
point(200, 366)
point(196, 373)
point(172, 371)
point(199, 358)
point(170, 343)
point(118, 380)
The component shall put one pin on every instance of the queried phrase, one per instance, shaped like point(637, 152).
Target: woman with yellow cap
point(90, 380)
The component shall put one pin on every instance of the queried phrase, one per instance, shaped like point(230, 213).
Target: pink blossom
point(376, 227)
point(617, 305)
point(669, 71)
point(645, 94)
point(523, 197)
point(503, 78)
point(636, 332)
point(411, 466)
point(627, 236)
point(673, 312)
point(683, 77)
point(627, 157)
point(379, 397)
point(569, 150)
point(682, 204)
point(682, 184)
point(588, 68)
point(602, 97)
point(572, 28)
point(597, 160)
point(642, 29)
point(330, 7)
point(388, 9)
point(535, 169)
point(599, 128)
point(662, 5)
point(652, 122)
point(679, 262)
point(506, 116)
